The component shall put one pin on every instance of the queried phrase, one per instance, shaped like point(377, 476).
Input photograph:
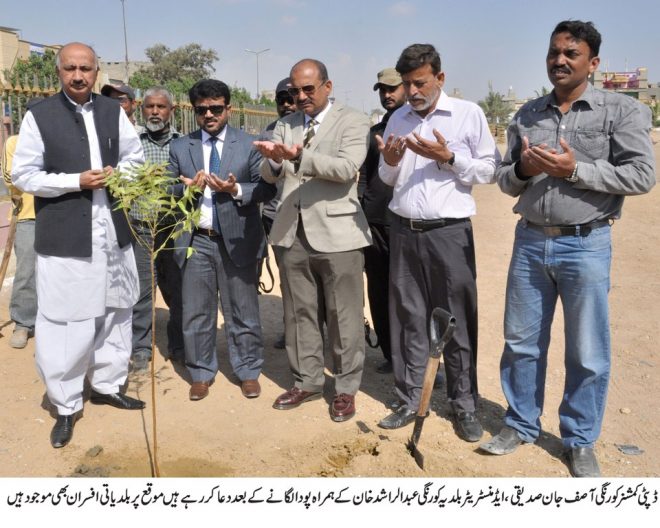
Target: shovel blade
point(414, 441)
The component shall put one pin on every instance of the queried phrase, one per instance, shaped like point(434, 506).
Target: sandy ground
point(228, 435)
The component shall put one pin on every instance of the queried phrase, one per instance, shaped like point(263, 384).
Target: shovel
point(441, 330)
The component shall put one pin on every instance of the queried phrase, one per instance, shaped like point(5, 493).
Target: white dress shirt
point(206, 206)
point(73, 288)
point(424, 189)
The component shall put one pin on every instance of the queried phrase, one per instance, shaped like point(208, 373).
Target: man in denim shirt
point(572, 157)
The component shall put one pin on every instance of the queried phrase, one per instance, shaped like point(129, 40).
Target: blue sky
point(479, 41)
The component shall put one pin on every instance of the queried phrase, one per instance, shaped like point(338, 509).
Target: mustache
point(560, 69)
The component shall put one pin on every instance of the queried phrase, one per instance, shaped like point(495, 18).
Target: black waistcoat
point(63, 225)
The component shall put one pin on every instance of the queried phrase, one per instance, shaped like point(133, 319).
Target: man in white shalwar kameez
point(85, 294)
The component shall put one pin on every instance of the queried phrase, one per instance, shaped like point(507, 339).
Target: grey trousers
point(316, 287)
point(429, 269)
point(23, 304)
point(210, 272)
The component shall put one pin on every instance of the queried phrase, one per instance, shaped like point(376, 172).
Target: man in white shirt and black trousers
point(434, 150)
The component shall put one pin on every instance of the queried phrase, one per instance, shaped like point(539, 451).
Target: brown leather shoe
point(199, 390)
point(251, 388)
point(294, 397)
point(342, 407)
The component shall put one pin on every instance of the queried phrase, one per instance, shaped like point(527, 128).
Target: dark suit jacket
point(240, 221)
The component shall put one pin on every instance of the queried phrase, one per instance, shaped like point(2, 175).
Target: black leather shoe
point(62, 430)
point(399, 418)
point(121, 401)
point(503, 443)
point(467, 426)
point(384, 368)
point(582, 462)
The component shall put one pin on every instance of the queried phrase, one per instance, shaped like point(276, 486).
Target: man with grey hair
point(86, 275)
point(434, 151)
point(157, 108)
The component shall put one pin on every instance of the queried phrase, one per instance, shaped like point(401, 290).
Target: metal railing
point(13, 100)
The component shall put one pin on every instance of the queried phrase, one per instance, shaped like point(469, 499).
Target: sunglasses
point(308, 89)
point(284, 99)
point(216, 110)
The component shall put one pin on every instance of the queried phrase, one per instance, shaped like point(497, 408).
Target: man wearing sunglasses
point(221, 161)
point(319, 233)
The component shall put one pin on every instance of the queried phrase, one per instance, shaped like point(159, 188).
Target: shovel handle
point(441, 330)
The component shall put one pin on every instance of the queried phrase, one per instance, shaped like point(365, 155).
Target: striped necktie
point(310, 132)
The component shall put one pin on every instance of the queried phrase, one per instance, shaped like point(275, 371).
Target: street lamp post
point(256, 54)
point(123, 12)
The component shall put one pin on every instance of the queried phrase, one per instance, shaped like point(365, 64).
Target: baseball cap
point(283, 86)
point(388, 77)
point(123, 88)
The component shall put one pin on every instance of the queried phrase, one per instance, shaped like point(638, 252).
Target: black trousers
point(377, 268)
point(428, 269)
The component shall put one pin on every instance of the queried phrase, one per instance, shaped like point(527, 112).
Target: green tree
point(497, 110)
point(146, 189)
point(36, 71)
point(175, 69)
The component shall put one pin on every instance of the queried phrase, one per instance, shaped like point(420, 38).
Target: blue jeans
point(577, 269)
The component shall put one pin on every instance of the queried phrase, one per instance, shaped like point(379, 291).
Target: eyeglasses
point(308, 89)
point(284, 99)
point(216, 110)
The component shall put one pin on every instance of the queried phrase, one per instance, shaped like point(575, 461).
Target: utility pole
point(256, 54)
point(123, 12)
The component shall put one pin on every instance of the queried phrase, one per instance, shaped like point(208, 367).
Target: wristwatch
point(574, 175)
point(448, 163)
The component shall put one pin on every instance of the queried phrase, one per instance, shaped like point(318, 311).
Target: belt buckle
point(552, 231)
point(412, 225)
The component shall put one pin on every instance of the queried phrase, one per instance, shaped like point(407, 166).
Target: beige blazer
point(324, 189)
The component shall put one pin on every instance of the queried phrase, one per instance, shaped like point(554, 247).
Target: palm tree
point(497, 110)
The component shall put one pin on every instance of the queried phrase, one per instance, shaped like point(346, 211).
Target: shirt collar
point(320, 116)
point(588, 96)
point(76, 105)
point(220, 136)
point(444, 105)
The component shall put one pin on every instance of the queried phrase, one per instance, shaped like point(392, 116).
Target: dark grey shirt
point(609, 134)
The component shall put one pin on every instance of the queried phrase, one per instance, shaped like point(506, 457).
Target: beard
point(155, 126)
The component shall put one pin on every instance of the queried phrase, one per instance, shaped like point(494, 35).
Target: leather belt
point(426, 225)
point(206, 232)
point(582, 230)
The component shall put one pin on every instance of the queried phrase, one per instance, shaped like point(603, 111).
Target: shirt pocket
point(592, 143)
